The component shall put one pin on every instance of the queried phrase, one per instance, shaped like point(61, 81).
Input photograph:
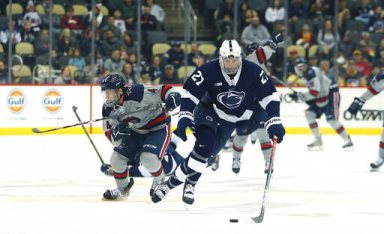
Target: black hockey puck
point(233, 220)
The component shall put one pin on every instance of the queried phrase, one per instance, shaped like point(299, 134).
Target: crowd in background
point(352, 54)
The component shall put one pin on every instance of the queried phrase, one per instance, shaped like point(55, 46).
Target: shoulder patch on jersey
point(135, 93)
point(310, 74)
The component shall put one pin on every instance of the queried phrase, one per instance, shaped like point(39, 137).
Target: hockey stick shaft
point(74, 108)
point(36, 130)
point(282, 83)
point(260, 218)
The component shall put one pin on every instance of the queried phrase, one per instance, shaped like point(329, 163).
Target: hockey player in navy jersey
point(230, 86)
point(138, 123)
point(258, 54)
point(375, 86)
point(323, 98)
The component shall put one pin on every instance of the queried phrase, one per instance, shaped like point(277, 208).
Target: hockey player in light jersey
point(323, 98)
point(231, 86)
point(375, 86)
point(259, 55)
point(138, 123)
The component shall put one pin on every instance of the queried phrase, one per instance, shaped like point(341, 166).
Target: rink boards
point(25, 107)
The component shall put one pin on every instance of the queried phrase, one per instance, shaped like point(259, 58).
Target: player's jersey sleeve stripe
point(372, 90)
point(314, 92)
point(261, 55)
point(108, 134)
point(231, 118)
point(187, 94)
point(273, 97)
point(164, 91)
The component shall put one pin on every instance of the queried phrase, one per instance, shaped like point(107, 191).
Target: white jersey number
point(198, 78)
point(263, 77)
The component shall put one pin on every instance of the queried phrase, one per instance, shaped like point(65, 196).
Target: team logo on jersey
point(16, 101)
point(152, 90)
point(231, 99)
point(52, 101)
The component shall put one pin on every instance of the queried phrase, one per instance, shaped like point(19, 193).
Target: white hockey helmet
point(230, 57)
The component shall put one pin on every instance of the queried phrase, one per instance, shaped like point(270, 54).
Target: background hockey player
point(375, 86)
point(259, 55)
point(139, 123)
point(323, 98)
point(232, 85)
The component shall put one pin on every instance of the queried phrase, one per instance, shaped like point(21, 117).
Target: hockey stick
point(36, 130)
point(74, 108)
point(282, 83)
point(260, 218)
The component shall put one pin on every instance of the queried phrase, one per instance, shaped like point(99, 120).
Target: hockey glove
point(274, 127)
point(275, 42)
point(106, 169)
point(185, 121)
point(173, 101)
point(356, 105)
point(119, 131)
point(296, 96)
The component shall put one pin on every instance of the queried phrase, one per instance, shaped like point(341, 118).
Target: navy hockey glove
point(275, 42)
point(274, 127)
point(119, 131)
point(173, 101)
point(356, 105)
point(296, 96)
point(106, 169)
point(185, 121)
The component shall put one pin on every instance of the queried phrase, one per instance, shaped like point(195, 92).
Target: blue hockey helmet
point(110, 86)
point(300, 66)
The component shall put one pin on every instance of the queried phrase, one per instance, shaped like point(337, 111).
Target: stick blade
point(258, 219)
point(35, 130)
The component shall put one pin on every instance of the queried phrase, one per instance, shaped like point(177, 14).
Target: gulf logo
point(52, 101)
point(16, 101)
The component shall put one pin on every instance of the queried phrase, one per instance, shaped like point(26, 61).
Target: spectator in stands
point(376, 21)
point(169, 76)
point(225, 8)
point(293, 55)
point(110, 26)
point(109, 44)
point(27, 34)
point(3, 73)
point(65, 42)
point(70, 21)
point(352, 75)
point(128, 45)
point(4, 35)
point(318, 10)
point(114, 64)
point(246, 19)
point(139, 70)
point(192, 53)
point(128, 75)
point(326, 39)
point(361, 63)
point(119, 22)
point(325, 67)
point(99, 16)
point(366, 46)
point(255, 32)
point(275, 12)
point(175, 55)
point(65, 77)
point(42, 43)
point(347, 45)
point(306, 37)
point(344, 14)
point(199, 59)
point(225, 25)
point(154, 70)
point(86, 41)
point(128, 11)
point(364, 12)
point(148, 21)
point(56, 21)
point(32, 16)
point(313, 61)
point(296, 10)
point(76, 59)
point(156, 10)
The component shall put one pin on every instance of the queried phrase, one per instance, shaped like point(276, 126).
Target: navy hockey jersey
point(233, 98)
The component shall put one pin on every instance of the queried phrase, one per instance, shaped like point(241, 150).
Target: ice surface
point(52, 184)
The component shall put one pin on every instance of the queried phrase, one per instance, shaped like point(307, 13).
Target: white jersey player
point(375, 87)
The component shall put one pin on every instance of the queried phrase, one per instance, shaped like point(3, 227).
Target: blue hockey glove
point(173, 101)
point(356, 105)
point(275, 42)
point(119, 131)
point(274, 127)
point(185, 121)
point(296, 96)
point(106, 169)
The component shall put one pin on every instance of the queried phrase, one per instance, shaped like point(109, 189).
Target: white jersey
point(375, 86)
point(319, 86)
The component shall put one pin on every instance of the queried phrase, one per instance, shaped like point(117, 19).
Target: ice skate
point(236, 164)
point(160, 192)
point(348, 144)
point(189, 193)
point(375, 166)
point(215, 164)
point(317, 145)
point(156, 182)
point(117, 194)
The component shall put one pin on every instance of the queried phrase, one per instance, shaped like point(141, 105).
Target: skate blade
point(374, 169)
point(349, 149)
point(316, 148)
point(114, 200)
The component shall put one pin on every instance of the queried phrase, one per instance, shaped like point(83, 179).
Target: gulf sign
point(53, 101)
point(16, 101)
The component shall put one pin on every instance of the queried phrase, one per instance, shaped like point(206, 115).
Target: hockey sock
point(381, 146)
point(121, 179)
point(339, 128)
point(315, 130)
point(238, 145)
point(265, 143)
